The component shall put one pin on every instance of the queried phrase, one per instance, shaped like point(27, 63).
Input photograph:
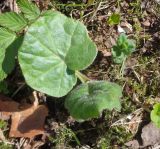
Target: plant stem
point(82, 77)
point(123, 67)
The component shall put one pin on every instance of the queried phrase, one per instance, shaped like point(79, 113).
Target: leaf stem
point(82, 77)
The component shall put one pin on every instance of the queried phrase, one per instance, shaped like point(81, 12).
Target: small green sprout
point(114, 19)
point(123, 48)
point(155, 114)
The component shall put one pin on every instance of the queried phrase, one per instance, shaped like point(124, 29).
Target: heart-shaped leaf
point(53, 48)
point(90, 99)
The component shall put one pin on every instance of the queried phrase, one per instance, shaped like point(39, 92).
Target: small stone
point(150, 135)
point(133, 144)
point(146, 23)
point(120, 29)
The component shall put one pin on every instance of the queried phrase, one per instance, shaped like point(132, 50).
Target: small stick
point(35, 103)
point(19, 88)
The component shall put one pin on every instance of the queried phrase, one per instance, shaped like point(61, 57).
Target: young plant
point(123, 48)
point(52, 49)
point(114, 19)
point(155, 114)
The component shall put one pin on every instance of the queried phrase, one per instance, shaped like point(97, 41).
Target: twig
point(126, 123)
point(95, 12)
point(19, 88)
point(7, 142)
point(2, 137)
point(36, 101)
point(121, 121)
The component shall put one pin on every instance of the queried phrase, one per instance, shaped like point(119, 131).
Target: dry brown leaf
point(7, 107)
point(27, 120)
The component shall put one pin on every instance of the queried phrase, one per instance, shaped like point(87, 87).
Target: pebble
point(146, 23)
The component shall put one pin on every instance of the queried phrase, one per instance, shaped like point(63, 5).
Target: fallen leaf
point(27, 120)
point(7, 107)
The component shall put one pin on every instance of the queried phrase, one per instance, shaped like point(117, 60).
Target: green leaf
point(29, 10)
point(54, 46)
point(81, 50)
point(123, 48)
point(155, 114)
point(114, 19)
point(7, 57)
point(90, 99)
point(6, 38)
point(3, 87)
point(3, 125)
point(12, 21)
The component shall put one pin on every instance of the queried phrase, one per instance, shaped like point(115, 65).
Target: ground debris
point(150, 137)
point(27, 120)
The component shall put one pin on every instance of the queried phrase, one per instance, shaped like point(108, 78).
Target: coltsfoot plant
point(123, 48)
point(52, 49)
